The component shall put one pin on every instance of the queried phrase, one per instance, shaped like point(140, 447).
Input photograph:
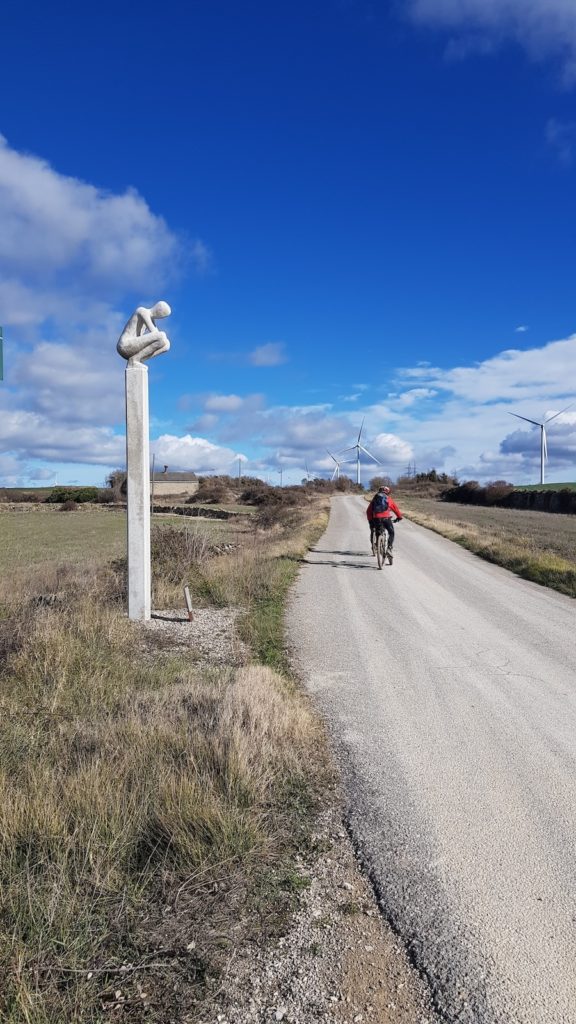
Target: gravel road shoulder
point(339, 963)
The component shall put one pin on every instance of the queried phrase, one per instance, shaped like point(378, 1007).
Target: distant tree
point(116, 481)
point(380, 481)
point(343, 484)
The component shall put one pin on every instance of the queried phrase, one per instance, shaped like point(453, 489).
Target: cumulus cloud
point(194, 453)
point(391, 450)
point(35, 436)
point(414, 395)
point(223, 403)
point(544, 28)
point(52, 224)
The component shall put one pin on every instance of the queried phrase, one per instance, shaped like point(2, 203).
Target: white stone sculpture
point(140, 340)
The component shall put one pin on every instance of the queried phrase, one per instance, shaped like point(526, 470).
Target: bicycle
point(380, 541)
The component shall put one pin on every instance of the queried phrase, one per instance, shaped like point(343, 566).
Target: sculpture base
point(138, 483)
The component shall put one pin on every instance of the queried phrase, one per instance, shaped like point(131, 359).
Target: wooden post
point(188, 603)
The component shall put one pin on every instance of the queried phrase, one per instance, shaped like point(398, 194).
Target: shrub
point(106, 496)
point(58, 495)
point(471, 493)
point(497, 491)
point(20, 495)
point(380, 481)
point(116, 482)
point(68, 506)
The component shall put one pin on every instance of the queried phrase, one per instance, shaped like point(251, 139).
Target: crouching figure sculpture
point(140, 338)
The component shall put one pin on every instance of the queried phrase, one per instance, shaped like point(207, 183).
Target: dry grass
point(254, 575)
point(535, 545)
point(145, 804)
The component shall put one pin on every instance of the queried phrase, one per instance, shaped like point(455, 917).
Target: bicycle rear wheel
point(381, 546)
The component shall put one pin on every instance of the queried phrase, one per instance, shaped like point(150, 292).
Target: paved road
point(449, 686)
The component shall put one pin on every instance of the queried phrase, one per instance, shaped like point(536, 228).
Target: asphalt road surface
point(449, 687)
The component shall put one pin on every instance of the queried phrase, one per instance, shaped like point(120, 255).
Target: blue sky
point(354, 209)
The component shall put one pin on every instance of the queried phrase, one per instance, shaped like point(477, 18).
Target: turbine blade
point(332, 457)
point(335, 471)
point(351, 449)
point(370, 455)
point(360, 431)
point(550, 418)
point(525, 418)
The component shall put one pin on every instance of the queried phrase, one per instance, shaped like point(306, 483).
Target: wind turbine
point(358, 448)
point(338, 463)
point(543, 441)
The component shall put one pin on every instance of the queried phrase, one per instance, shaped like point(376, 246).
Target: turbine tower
point(543, 439)
point(359, 448)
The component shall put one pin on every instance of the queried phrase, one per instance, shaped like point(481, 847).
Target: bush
point(471, 493)
point(17, 496)
point(69, 506)
point(58, 495)
point(116, 482)
point(497, 491)
point(106, 496)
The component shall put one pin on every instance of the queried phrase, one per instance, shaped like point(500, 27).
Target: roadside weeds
point(153, 810)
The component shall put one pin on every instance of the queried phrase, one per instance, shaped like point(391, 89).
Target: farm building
point(174, 485)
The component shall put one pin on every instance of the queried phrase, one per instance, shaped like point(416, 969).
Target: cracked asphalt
point(449, 688)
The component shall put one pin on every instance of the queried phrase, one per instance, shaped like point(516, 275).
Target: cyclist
point(381, 510)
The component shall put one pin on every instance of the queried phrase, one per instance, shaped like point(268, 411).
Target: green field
point(547, 487)
point(35, 536)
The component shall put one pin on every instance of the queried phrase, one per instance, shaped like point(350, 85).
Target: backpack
point(379, 504)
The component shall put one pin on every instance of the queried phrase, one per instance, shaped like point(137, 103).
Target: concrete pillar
point(138, 481)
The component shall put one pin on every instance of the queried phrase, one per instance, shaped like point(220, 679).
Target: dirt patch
point(211, 636)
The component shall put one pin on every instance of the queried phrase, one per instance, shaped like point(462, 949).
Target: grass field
point(547, 487)
point(35, 536)
point(535, 545)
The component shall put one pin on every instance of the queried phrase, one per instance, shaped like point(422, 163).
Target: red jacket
point(392, 510)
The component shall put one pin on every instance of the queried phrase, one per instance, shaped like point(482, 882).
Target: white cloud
point(272, 354)
point(544, 28)
point(223, 403)
point(32, 435)
point(391, 450)
point(52, 223)
point(194, 453)
point(521, 329)
point(513, 375)
point(413, 395)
